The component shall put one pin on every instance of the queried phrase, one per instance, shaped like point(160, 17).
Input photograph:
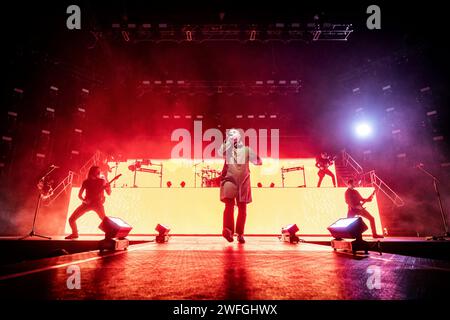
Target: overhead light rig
point(261, 87)
point(284, 32)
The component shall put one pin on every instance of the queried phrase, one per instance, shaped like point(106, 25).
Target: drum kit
point(210, 177)
point(145, 166)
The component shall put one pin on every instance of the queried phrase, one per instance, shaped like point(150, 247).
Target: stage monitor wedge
point(348, 228)
point(115, 228)
point(288, 233)
point(163, 233)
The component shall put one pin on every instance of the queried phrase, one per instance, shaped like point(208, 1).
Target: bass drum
point(212, 183)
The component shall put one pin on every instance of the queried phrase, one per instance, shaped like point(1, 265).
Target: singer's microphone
point(420, 165)
point(53, 166)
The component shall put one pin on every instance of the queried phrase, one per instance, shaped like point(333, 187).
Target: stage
point(208, 267)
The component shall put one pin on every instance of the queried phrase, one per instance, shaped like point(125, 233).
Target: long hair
point(92, 171)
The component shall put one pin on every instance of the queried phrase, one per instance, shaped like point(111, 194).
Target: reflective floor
point(211, 268)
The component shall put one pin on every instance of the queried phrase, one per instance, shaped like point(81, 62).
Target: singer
point(235, 185)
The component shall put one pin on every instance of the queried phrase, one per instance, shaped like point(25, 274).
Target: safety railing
point(74, 177)
point(348, 160)
point(65, 184)
point(380, 185)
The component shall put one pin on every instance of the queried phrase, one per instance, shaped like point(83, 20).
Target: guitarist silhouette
point(355, 201)
point(93, 187)
point(323, 162)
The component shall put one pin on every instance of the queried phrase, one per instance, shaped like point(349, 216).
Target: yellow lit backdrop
point(199, 211)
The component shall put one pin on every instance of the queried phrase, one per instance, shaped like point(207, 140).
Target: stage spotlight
point(169, 184)
point(363, 130)
point(288, 233)
point(348, 228)
point(163, 233)
point(183, 184)
point(115, 228)
point(259, 185)
point(272, 185)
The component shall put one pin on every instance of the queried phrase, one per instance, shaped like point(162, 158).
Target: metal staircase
point(374, 180)
point(348, 168)
point(64, 186)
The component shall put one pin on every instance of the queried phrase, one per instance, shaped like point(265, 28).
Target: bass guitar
point(85, 201)
point(360, 206)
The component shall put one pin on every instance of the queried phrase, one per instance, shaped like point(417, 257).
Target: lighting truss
point(261, 87)
point(331, 32)
point(284, 32)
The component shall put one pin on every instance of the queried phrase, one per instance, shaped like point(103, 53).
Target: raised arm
point(317, 163)
point(254, 158)
point(227, 144)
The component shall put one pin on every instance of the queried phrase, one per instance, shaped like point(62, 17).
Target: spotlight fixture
point(183, 184)
point(259, 185)
point(163, 233)
point(272, 185)
point(115, 232)
point(169, 184)
point(115, 228)
point(363, 130)
point(288, 234)
point(349, 228)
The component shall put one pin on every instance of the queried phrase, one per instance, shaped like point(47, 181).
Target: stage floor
point(211, 268)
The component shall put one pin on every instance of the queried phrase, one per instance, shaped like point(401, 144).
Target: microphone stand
point(195, 172)
point(135, 173)
point(36, 210)
point(441, 207)
point(115, 172)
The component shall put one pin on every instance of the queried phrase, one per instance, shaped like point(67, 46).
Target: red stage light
point(288, 233)
point(163, 233)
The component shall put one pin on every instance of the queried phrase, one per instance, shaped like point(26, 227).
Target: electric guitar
point(360, 206)
point(107, 183)
point(114, 179)
point(330, 162)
